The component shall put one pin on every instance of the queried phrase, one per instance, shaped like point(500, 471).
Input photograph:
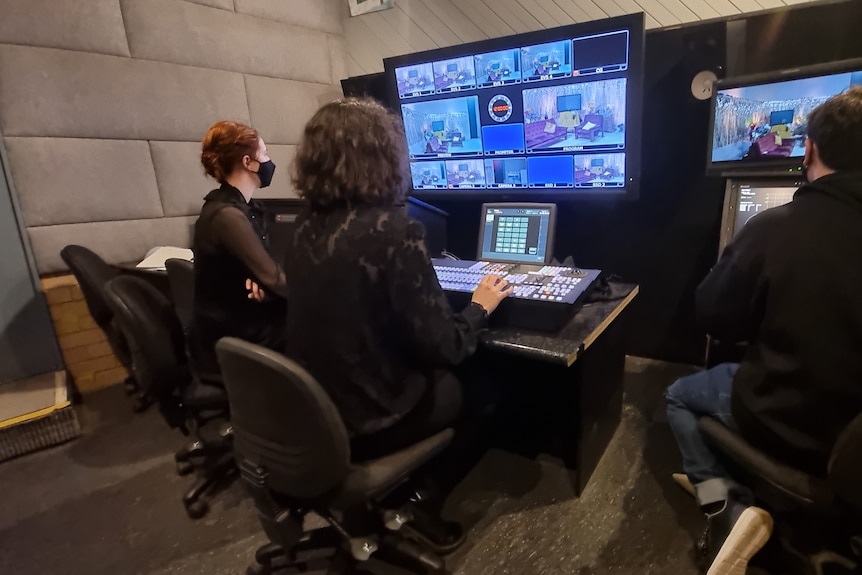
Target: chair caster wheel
point(184, 468)
point(197, 509)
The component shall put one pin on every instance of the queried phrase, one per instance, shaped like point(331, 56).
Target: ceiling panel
point(415, 25)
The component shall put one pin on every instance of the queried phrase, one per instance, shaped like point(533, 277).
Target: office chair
point(157, 346)
point(92, 273)
point(293, 454)
point(181, 275)
point(807, 505)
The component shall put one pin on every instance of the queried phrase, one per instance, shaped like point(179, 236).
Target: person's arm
point(237, 234)
point(727, 300)
point(422, 312)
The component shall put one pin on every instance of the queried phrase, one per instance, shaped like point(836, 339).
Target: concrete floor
point(109, 503)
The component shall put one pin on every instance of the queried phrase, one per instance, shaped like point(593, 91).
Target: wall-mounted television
point(759, 123)
point(555, 112)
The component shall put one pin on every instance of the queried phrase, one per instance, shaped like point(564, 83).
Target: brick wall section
point(86, 352)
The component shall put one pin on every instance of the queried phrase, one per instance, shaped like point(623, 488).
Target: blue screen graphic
point(551, 171)
point(503, 139)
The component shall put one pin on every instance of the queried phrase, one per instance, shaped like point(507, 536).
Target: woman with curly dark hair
point(367, 316)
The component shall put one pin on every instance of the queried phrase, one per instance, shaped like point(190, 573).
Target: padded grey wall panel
point(71, 180)
point(339, 59)
point(183, 33)
point(59, 93)
point(325, 15)
point(182, 181)
point(90, 26)
point(116, 242)
point(280, 108)
point(281, 187)
point(223, 4)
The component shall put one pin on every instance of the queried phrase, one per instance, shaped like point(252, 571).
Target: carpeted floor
point(109, 503)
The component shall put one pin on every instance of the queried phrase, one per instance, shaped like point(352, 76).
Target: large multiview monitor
point(556, 111)
point(761, 122)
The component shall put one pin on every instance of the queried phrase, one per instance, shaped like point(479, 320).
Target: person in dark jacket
point(788, 285)
point(230, 244)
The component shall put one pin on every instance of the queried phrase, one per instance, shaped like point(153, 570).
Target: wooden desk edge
point(594, 335)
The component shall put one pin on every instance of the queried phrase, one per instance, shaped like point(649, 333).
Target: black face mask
point(265, 172)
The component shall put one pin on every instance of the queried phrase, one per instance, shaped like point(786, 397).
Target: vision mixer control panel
point(544, 297)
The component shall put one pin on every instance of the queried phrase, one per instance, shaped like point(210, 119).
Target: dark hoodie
point(790, 284)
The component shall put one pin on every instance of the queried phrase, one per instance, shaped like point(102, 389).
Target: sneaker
point(733, 536)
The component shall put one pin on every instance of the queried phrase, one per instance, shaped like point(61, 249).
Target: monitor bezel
point(552, 229)
point(790, 167)
point(634, 23)
point(731, 202)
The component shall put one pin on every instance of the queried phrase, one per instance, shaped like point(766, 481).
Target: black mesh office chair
point(92, 273)
point(806, 507)
point(294, 457)
point(157, 347)
point(181, 275)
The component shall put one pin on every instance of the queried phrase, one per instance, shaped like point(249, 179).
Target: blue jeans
point(689, 398)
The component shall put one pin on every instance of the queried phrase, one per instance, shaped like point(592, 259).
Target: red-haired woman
point(231, 240)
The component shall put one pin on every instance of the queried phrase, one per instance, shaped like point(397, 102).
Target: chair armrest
point(794, 484)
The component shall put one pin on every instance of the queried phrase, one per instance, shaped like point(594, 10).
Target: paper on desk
point(157, 257)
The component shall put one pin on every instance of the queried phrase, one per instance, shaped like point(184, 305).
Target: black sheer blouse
point(230, 245)
point(367, 316)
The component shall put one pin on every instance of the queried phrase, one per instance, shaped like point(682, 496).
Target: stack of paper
point(157, 257)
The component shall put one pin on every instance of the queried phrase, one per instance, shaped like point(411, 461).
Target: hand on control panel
point(490, 292)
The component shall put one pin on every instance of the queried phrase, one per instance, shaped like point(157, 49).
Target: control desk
point(544, 297)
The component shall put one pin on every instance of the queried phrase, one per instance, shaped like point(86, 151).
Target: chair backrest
point(283, 420)
point(92, 273)
point(845, 464)
point(181, 275)
point(155, 339)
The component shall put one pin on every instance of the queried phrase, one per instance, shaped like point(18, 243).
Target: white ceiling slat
point(574, 11)
point(678, 9)
point(612, 9)
point(455, 19)
point(393, 42)
point(523, 15)
point(558, 14)
point(724, 7)
point(509, 17)
point(409, 30)
point(771, 3)
point(429, 22)
point(632, 7)
point(374, 42)
point(539, 13)
point(502, 13)
point(353, 68)
point(478, 12)
point(356, 39)
point(593, 9)
point(746, 5)
point(702, 9)
point(659, 12)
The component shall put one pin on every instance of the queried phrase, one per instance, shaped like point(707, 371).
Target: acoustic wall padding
point(184, 33)
point(88, 26)
point(181, 178)
point(103, 104)
point(117, 242)
point(60, 93)
point(279, 109)
point(69, 181)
